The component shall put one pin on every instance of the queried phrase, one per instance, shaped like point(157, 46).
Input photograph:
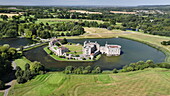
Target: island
point(90, 51)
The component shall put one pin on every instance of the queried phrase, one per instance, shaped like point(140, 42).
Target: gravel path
point(7, 90)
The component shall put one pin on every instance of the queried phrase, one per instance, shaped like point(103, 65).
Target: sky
point(86, 2)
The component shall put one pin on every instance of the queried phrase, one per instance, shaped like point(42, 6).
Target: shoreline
point(165, 51)
point(156, 46)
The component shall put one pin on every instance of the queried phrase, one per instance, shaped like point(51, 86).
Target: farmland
point(83, 11)
point(152, 82)
point(121, 12)
point(9, 14)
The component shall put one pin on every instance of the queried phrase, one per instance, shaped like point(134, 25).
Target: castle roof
point(63, 48)
point(113, 46)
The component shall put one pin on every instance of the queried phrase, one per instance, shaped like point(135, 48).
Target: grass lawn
point(74, 48)
point(21, 62)
point(119, 24)
point(1, 94)
point(1, 19)
point(63, 59)
point(148, 82)
point(26, 49)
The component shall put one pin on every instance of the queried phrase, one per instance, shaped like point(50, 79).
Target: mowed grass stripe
point(149, 82)
point(29, 86)
point(42, 89)
point(42, 77)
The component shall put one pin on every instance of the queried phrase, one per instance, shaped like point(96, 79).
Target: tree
point(113, 22)
point(28, 33)
point(62, 34)
point(18, 68)
point(115, 70)
point(45, 34)
point(19, 72)
point(77, 30)
point(27, 75)
point(37, 67)
point(4, 17)
point(89, 69)
point(79, 70)
point(20, 80)
point(11, 33)
point(4, 55)
point(2, 85)
point(27, 66)
point(64, 41)
point(68, 34)
point(97, 70)
point(21, 48)
point(68, 69)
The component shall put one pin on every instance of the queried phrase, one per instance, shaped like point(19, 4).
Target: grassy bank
point(65, 59)
point(26, 49)
point(1, 94)
point(22, 61)
point(164, 50)
point(148, 82)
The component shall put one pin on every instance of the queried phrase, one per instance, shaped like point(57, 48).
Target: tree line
point(7, 54)
point(82, 70)
point(141, 65)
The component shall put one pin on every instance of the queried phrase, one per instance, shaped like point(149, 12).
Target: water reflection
point(132, 52)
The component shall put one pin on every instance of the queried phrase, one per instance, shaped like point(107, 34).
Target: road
point(7, 90)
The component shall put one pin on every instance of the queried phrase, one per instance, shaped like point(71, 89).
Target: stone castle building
point(90, 49)
point(93, 49)
point(59, 51)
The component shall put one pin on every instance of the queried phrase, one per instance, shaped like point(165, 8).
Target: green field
point(1, 94)
point(21, 62)
point(58, 20)
point(148, 82)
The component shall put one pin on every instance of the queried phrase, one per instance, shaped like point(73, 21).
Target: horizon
point(84, 3)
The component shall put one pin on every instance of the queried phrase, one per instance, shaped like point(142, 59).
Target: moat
point(132, 51)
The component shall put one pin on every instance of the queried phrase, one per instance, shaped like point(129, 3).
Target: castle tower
point(106, 44)
point(85, 43)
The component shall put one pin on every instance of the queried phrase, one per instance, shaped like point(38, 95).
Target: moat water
point(16, 42)
point(132, 51)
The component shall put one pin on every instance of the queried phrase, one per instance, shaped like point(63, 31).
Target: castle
point(93, 49)
point(59, 51)
point(90, 50)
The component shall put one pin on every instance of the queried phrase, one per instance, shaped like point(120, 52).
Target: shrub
point(20, 80)
point(97, 70)
point(140, 66)
point(164, 65)
point(115, 70)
